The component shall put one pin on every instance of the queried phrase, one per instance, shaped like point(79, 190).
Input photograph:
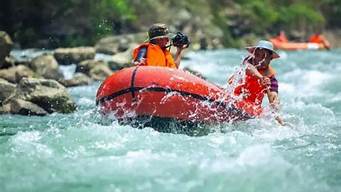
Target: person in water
point(319, 39)
point(259, 79)
point(156, 52)
point(281, 37)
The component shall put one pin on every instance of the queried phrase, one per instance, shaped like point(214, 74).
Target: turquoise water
point(75, 152)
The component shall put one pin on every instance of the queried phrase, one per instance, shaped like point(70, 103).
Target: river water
point(75, 152)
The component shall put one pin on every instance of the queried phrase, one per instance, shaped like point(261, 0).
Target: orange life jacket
point(252, 90)
point(156, 56)
point(315, 39)
point(319, 39)
point(281, 38)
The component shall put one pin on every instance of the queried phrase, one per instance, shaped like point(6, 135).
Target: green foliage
point(332, 12)
point(300, 16)
point(82, 22)
point(261, 13)
point(110, 16)
point(113, 9)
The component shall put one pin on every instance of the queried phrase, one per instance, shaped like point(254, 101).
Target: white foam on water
point(68, 70)
point(80, 153)
point(255, 155)
point(29, 143)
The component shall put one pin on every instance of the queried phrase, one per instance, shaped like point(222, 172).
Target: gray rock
point(120, 43)
point(5, 47)
point(22, 107)
point(6, 90)
point(77, 80)
point(182, 18)
point(100, 72)
point(120, 61)
point(5, 108)
point(96, 70)
point(9, 62)
point(86, 66)
point(46, 66)
point(47, 94)
point(15, 74)
point(67, 56)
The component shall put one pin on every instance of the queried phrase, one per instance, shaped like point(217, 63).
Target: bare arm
point(274, 104)
point(178, 55)
point(253, 70)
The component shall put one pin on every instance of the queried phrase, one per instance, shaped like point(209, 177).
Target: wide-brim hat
point(264, 45)
point(159, 30)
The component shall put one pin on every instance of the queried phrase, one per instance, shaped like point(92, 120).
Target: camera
point(180, 40)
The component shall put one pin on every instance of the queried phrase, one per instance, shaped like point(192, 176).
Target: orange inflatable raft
point(160, 93)
point(292, 46)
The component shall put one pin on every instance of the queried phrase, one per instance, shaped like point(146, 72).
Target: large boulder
point(46, 66)
point(96, 70)
point(5, 47)
point(6, 90)
point(47, 94)
point(77, 80)
point(9, 62)
point(16, 73)
point(120, 61)
point(120, 43)
point(22, 107)
point(67, 56)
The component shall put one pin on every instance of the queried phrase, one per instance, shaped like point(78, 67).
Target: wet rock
point(4, 109)
point(12, 61)
point(120, 43)
point(6, 89)
point(22, 107)
point(67, 56)
point(120, 61)
point(15, 74)
point(77, 80)
point(100, 73)
point(47, 94)
point(46, 66)
point(5, 47)
point(9, 62)
point(86, 66)
point(96, 70)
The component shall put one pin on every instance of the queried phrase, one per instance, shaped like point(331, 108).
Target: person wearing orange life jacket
point(259, 80)
point(156, 52)
point(319, 39)
point(281, 37)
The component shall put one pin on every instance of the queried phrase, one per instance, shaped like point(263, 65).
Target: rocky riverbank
point(36, 86)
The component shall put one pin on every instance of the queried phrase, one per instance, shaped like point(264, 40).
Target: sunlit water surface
point(75, 152)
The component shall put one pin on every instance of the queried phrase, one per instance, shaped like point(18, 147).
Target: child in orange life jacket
point(155, 52)
point(259, 78)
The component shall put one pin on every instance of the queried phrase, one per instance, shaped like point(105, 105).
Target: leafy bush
point(299, 16)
